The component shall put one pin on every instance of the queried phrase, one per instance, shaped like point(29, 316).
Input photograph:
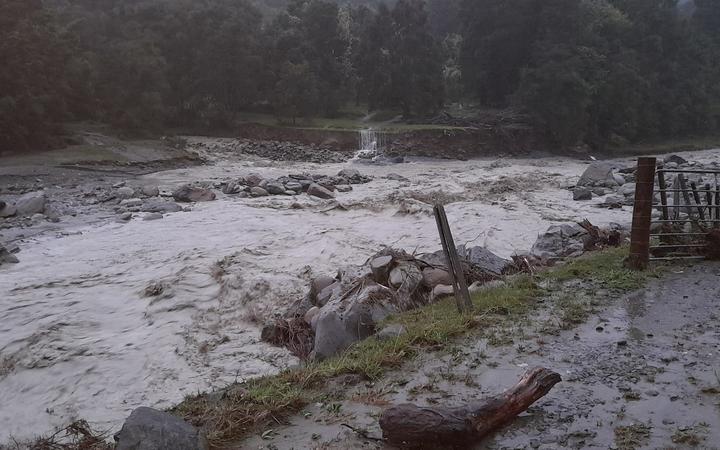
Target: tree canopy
point(599, 72)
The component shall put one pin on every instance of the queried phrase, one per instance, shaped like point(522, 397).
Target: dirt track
point(641, 374)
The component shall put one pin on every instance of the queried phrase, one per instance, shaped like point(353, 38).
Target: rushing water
point(80, 339)
point(372, 144)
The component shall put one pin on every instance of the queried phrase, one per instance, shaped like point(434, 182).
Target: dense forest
point(600, 72)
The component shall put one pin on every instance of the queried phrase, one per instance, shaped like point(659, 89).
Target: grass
point(232, 413)
point(349, 124)
point(670, 146)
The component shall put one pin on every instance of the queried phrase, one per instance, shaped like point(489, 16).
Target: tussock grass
point(234, 412)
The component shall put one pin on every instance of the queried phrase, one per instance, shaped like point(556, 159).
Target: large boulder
point(157, 205)
point(560, 241)
point(351, 318)
point(598, 174)
point(188, 194)
point(31, 203)
point(150, 191)
point(316, 190)
point(150, 429)
point(483, 258)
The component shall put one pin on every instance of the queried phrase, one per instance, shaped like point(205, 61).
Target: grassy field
point(240, 409)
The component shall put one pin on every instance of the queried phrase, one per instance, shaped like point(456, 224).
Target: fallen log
point(410, 426)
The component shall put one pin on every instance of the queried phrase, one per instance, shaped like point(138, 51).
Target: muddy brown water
point(650, 359)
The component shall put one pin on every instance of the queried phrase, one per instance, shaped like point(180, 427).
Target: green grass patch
point(605, 268)
point(232, 413)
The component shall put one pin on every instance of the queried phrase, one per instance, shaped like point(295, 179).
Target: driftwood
point(410, 426)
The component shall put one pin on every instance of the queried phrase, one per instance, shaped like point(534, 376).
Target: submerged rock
point(189, 194)
point(156, 205)
point(150, 429)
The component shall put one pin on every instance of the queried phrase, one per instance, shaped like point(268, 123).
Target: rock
point(318, 284)
point(350, 174)
point(598, 173)
point(37, 217)
point(442, 291)
point(582, 193)
point(153, 216)
point(31, 203)
point(6, 256)
point(125, 192)
point(350, 319)
point(344, 188)
point(600, 191)
point(327, 293)
point(619, 179)
point(188, 194)
point(7, 210)
point(433, 277)
point(254, 179)
point(275, 188)
point(396, 177)
point(150, 191)
point(675, 159)
point(405, 277)
point(257, 191)
point(232, 187)
point(393, 331)
point(311, 315)
point(483, 258)
point(316, 190)
point(627, 189)
point(614, 202)
point(125, 217)
point(380, 268)
point(131, 202)
point(294, 186)
point(150, 429)
point(560, 241)
point(156, 205)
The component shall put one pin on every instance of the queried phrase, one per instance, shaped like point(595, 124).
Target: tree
point(32, 83)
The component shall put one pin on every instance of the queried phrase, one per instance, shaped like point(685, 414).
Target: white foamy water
point(79, 339)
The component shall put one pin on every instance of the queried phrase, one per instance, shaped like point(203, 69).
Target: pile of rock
point(321, 186)
point(129, 200)
point(347, 308)
point(570, 240)
point(617, 182)
point(290, 151)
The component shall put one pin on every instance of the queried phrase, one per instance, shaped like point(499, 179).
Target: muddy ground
point(642, 373)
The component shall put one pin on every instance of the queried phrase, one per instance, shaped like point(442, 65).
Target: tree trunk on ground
point(410, 426)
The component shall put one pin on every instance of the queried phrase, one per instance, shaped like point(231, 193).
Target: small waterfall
point(372, 144)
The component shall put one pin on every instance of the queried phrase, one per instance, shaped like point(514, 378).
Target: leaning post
point(642, 214)
point(462, 295)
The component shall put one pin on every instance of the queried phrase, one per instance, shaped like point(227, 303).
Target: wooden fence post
point(462, 295)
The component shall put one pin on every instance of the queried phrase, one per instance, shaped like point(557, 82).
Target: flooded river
point(80, 339)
